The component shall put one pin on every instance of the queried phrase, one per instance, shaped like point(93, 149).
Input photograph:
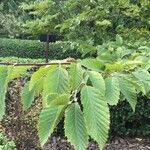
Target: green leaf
point(51, 97)
point(3, 88)
point(86, 48)
point(128, 64)
point(57, 81)
point(92, 64)
point(56, 100)
point(96, 113)
point(16, 71)
point(112, 90)
point(38, 76)
point(97, 81)
point(129, 92)
point(75, 128)
point(142, 75)
point(139, 86)
point(107, 57)
point(76, 74)
point(38, 86)
point(48, 121)
point(119, 40)
point(116, 67)
point(27, 96)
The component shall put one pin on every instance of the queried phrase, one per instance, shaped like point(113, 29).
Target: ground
point(116, 144)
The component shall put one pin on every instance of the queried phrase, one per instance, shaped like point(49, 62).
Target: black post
point(46, 49)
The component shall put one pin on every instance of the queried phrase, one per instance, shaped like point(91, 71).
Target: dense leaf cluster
point(11, 18)
point(100, 81)
point(90, 21)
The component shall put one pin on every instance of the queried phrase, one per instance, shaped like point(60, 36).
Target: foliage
point(11, 17)
point(6, 144)
point(34, 49)
point(116, 68)
point(87, 23)
point(109, 71)
point(82, 91)
point(45, 15)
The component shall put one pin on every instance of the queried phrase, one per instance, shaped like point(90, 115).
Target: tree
point(89, 23)
point(45, 15)
point(11, 18)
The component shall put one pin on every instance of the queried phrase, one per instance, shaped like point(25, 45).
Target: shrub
point(33, 49)
point(126, 123)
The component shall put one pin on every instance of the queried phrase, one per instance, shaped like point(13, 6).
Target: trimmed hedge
point(20, 60)
point(33, 49)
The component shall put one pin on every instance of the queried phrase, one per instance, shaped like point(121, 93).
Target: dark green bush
point(33, 49)
point(126, 123)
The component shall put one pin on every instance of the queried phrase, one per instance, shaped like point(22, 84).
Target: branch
point(67, 61)
point(38, 65)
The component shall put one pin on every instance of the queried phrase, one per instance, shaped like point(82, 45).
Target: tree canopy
point(92, 20)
